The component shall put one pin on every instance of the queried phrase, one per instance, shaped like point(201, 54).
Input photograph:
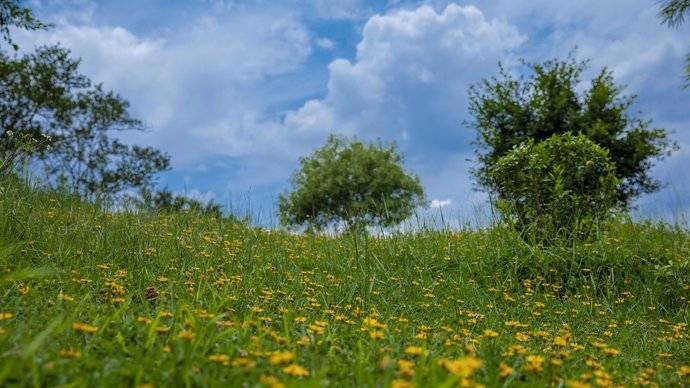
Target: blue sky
point(237, 91)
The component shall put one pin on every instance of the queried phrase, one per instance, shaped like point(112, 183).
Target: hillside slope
point(92, 298)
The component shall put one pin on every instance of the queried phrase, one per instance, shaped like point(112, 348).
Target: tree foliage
point(673, 14)
point(12, 14)
point(508, 111)
point(43, 96)
point(559, 185)
point(352, 182)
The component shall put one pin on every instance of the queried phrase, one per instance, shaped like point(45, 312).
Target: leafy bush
point(550, 99)
point(351, 182)
point(559, 185)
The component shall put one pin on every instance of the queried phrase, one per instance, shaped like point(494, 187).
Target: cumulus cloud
point(408, 83)
point(199, 89)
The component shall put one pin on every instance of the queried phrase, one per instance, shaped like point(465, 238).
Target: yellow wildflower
point(278, 358)
point(504, 370)
point(463, 367)
point(186, 335)
point(488, 333)
point(400, 383)
point(611, 351)
point(684, 371)
point(85, 327)
point(534, 363)
point(560, 341)
point(221, 358)
point(414, 350)
point(69, 353)
point(377, 334)
point(271, 381)
point(295, 370)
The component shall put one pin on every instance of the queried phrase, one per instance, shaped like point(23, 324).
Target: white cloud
point(325, 43)
point(409, 83)
point(439, 203)
point(197, 89)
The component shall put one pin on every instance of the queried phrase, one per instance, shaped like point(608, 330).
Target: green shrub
point(558, 186)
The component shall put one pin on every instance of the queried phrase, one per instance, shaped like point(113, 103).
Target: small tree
point(508, 111)
point(352, 182)
point(44, 97)
point(560, 185)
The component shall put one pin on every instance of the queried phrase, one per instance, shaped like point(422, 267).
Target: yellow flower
point(295, 370)
point(463, 367)
point(271, 381)
point(69, 353)
point(684, 371)
point(576, 384)
point(504, 370)
point(534, 363)
point(66, 297)
point(378, 334)
point(186, 335)
point(222, 358)
point(5, 316)
point(560, 341)
point(414, 350)
point(85, 327)
point(406, 368)
point(278, 358)
point(488, 333)
point(400, 383)
point(611, 351)
point(522, 337)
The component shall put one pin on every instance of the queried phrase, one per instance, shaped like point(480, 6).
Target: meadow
point(96, 298)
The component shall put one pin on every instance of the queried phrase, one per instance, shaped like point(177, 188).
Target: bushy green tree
point(560, 185)
point(673, 14)
point(508, 111)
point(352, 182)
point(51, 113)
point(43, 96)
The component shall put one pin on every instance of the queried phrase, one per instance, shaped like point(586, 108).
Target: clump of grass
point(91, 297)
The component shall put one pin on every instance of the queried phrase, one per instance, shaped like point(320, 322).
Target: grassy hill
point(89, 297)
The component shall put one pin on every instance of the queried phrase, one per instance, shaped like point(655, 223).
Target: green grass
point(182, 300)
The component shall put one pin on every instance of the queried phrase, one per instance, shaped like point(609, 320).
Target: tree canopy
point(70, 121)
point(509, 110)
point(352, 182)
point(12, 14)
